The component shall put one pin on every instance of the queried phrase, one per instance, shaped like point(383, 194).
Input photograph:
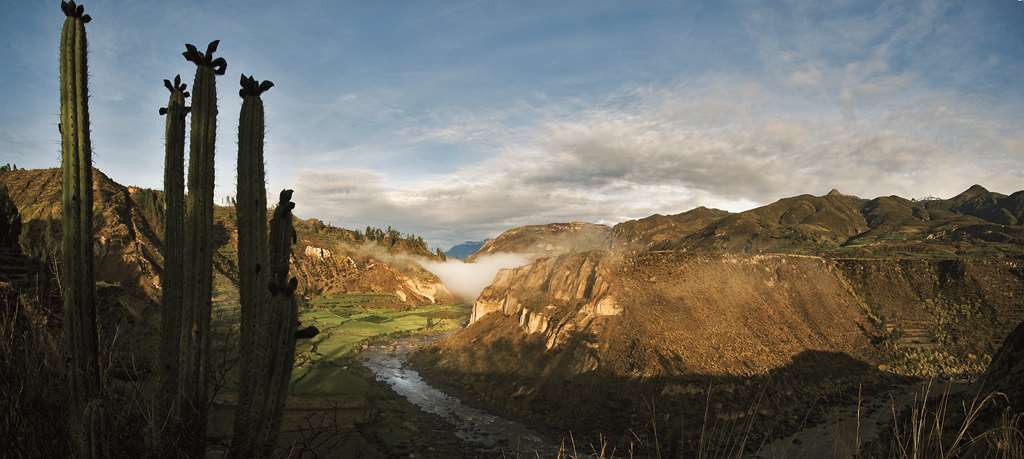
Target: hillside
point(129, 230)
point(649, 231)
point(546, 240)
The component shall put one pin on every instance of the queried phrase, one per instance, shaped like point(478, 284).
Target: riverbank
point(336, 406)
point(494, 434)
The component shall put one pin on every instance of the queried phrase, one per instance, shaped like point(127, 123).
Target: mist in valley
point(467, 280)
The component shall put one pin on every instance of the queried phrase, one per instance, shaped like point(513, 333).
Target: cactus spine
point(253, 261)
point(78, 285)
point(195, 343)
point(171, 280)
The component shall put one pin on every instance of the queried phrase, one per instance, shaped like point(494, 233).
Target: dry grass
point(935, 428)
point(32, 421)
point(937, 425)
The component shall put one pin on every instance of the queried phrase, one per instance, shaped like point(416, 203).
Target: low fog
point(467, 280)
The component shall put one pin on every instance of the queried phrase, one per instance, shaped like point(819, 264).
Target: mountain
point(546, 240)
point(975, 221)
point(649, 231)
point(465, 249)
point(817, 297)
point(805, 220)
point(126, 243)
point(128, 226)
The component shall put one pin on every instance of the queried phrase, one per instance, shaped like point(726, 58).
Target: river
point(389, 364)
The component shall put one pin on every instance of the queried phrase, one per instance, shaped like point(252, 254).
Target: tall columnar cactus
point(281, 321)
point(172, 279)
point(195, 343)
point(78, 286)
point(269, 308)
point(253, 273)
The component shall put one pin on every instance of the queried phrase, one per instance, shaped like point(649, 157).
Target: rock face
point(128, 228)
point(552, 297)
point(546, 240)
point(659, 314)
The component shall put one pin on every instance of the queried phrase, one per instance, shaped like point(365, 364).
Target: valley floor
point(341, 404)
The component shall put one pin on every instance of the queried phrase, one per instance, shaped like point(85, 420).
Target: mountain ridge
point(975, 221)
point(128, 233)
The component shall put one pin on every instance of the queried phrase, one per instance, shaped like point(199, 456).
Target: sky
point(456, 120)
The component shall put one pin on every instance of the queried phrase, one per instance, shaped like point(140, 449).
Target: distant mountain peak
point(465, 249)
point(975, 189)
point(974, 192)
point(834, 192)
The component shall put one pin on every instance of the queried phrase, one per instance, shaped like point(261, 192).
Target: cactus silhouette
point(86, 422)
point(269, 308)
point(195, 343)
point(282, 319)
point(253, 261)
point(172, 278)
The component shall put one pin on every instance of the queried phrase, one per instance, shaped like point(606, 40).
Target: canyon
point(825, 294)
point(769, 318)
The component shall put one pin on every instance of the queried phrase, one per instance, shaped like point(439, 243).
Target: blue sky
point(456, 120)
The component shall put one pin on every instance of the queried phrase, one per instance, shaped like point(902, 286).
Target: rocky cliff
point(656, 314)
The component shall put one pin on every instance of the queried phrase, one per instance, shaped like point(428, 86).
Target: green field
point(345, 322)
point(331, 393)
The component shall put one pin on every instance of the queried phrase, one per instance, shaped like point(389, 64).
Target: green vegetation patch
point(351, 300)
point(345, 322)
